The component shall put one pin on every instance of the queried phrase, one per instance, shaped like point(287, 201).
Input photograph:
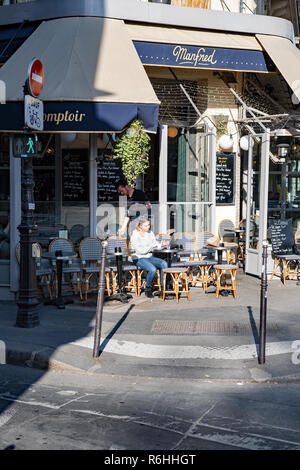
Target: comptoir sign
point(66, 116)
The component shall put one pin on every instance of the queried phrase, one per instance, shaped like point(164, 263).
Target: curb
point(42, 360)
point(39, 359)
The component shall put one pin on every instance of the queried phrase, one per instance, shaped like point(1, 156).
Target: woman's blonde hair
point(141, 220)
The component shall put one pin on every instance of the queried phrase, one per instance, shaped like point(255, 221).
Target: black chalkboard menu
point(282, 237)
point(75, 175)
point(225, 178)
point(109, 171)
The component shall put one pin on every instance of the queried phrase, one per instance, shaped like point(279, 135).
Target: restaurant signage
point(225, 178)
point(81, 116)
point(203, 57)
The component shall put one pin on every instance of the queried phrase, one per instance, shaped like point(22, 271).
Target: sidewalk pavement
point(201, 339)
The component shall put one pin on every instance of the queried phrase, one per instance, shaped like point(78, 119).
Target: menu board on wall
point(225, 178)
point(109, 171)
point(282, 237)
point(75, 175)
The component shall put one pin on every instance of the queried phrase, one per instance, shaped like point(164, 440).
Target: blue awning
point(203, 57)
point(73, 116)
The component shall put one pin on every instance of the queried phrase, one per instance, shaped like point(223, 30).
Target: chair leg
point(164, 287)
point(49, 287)
point(158, 279)
point(107, 283)
point(284, 271)
point(176, 282)
point(233, 282)
point(86, 286)
point(196, 278)
point(205, 278)
point(71, 283)
point(139, 282)
point(79, 285)
point(133, 273)
point(55, 285)
point(187, 288)
point(48, 284)
point(276, 262)
point(219, 273)
point(114, 283)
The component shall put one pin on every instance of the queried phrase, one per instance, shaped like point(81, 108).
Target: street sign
point(35, 77)
point(25, 145)
point(33, 113)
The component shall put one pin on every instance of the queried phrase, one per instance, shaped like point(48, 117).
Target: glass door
point(257, 201)
point(189, 176)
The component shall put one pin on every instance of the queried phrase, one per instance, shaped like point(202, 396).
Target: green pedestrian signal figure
point(30, 146)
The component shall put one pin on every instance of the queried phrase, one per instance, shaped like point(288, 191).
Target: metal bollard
point(263, 305)
point(100, 301)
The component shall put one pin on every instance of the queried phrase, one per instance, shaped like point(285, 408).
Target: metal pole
point(27, 316)
point(263, 305)
point(283, 190)
point(100, 301)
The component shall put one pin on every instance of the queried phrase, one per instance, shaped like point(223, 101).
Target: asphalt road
point(59, 411)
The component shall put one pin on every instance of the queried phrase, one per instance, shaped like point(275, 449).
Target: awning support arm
point(201, 116)
point(13, 38)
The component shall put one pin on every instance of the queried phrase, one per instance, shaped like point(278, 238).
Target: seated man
point(135, 199)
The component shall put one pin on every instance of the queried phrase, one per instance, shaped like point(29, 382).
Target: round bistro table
point(59, 257)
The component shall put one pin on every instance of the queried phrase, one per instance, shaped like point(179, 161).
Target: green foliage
point(133, 147)
point(221, 122)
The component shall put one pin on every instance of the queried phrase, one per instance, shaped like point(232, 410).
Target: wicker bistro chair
point(76, 234)
point(90, 250)
point(163, 236)
point(287, 266)
point(179, 281)
point(71, 268)
point(127, 267)
point(43, 270)
point(188, 255)
point(203, 266)
point(225, 235)
point(228, 238)
point(222, 271)
point(186, 241)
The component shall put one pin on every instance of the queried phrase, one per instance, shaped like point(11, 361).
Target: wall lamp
point(283, 151)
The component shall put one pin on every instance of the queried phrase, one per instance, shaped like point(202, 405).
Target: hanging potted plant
point(132, 148)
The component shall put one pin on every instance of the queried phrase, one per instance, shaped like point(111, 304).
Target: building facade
point(196, 77)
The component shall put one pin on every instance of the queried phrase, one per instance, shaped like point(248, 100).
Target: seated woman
point(143, 242)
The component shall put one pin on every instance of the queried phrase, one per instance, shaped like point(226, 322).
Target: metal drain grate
point(181, 327)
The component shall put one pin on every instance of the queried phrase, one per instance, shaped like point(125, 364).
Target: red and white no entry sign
point(35, 77)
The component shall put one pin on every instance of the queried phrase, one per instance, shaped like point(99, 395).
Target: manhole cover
point(182, 327)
